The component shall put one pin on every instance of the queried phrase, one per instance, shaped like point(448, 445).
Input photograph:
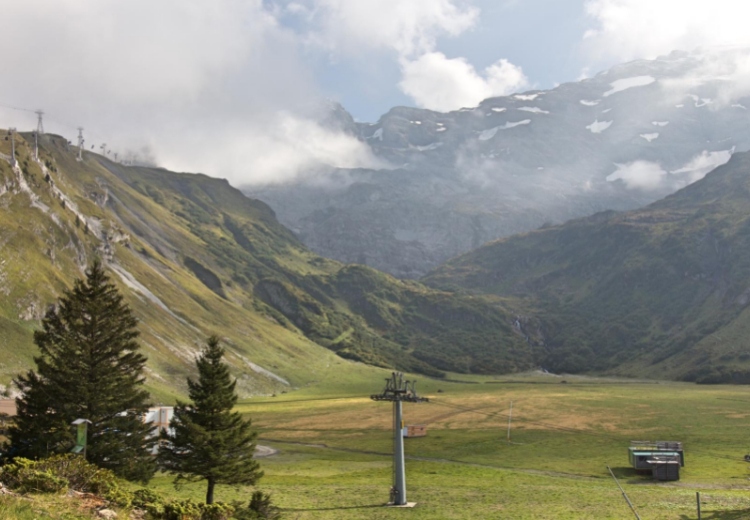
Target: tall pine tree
point(207, 440)
point(89, 367)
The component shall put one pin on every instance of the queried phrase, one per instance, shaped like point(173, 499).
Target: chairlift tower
point(39, 123)
point(80, 143)
point(103, 148)
point(12, 134)
point(397, 391)
point(36, 145)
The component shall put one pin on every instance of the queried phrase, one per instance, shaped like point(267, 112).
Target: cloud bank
point(629, 29)
point(217, 87)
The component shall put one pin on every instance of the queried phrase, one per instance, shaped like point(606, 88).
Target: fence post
point(698, 503)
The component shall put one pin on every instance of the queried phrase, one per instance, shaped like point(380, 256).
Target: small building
point(159, 416)
point(415, 430)
point(7, 410)
point(665, 468)
point(662, 458)
point(8, 407)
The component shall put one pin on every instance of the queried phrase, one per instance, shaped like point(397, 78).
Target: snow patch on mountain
point(660, 123)
point(737, 105)
point(427, 148)
point(499, 109)
point(588, 103)
point(490, 132)
point(534, 110)
point(650, 137)
point(597, 127)
point(378, 134)
point(526, 97)
point(628, 83)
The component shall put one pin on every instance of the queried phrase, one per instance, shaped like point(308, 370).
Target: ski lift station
point(662, 458)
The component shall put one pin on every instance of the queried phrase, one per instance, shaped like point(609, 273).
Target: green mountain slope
point(194, 257)
point(661, 292)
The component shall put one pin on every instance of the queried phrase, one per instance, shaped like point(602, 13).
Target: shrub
point(23, 476)
point(259, 508)
point(181, 510)
point(189, 510)
point(144, 497)
point(217, 511)
point(60, 472)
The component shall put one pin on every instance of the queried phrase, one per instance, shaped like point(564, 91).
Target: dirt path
point(264, 451)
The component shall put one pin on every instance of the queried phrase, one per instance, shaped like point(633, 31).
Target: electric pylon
point(39, 124)
point(397, 390)
point(12, 133)
point(80, 143)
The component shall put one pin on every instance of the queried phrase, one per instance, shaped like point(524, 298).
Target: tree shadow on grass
point(342, 508)
point(742, 514)
point(631, 476)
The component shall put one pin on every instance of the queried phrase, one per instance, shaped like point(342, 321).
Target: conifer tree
point(207, 440)
point(89, 367)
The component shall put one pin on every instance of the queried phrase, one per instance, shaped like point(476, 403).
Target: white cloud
point(628, 29)
point(439, 83)
point(642, 175)
point(213, 86)
point(408, 27)
point(411, 30)
point(727, 69)
point(714, 33)
point(697, 167)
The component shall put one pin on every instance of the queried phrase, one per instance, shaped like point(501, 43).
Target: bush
point(259, 508)
point(189, 510)
point(62, 472)
point(23, 476)
point(217, 511)
point(182, 510)
point(145, 497)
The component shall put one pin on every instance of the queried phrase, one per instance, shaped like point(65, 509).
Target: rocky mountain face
point(662, 291)
point(193, 257)
point(619, 140)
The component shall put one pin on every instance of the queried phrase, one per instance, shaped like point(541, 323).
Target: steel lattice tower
point(39, 123)
point(12, 133)
point(80, 143)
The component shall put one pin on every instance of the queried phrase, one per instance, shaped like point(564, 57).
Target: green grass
point(334, 451)
point(334, 460)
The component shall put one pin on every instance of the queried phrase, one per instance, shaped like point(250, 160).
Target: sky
point(237, 88)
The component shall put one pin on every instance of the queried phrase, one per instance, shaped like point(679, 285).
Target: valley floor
point(334, 451)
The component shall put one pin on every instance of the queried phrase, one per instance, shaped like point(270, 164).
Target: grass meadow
point(334, 450)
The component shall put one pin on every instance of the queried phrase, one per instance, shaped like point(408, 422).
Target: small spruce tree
point(89, 367)
point(207, 440)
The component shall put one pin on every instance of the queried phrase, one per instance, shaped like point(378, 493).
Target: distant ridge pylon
point(39, 123)
point(80, 143)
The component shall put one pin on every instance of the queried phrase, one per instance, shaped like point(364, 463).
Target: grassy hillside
point(194, 256)
point(661, 291)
